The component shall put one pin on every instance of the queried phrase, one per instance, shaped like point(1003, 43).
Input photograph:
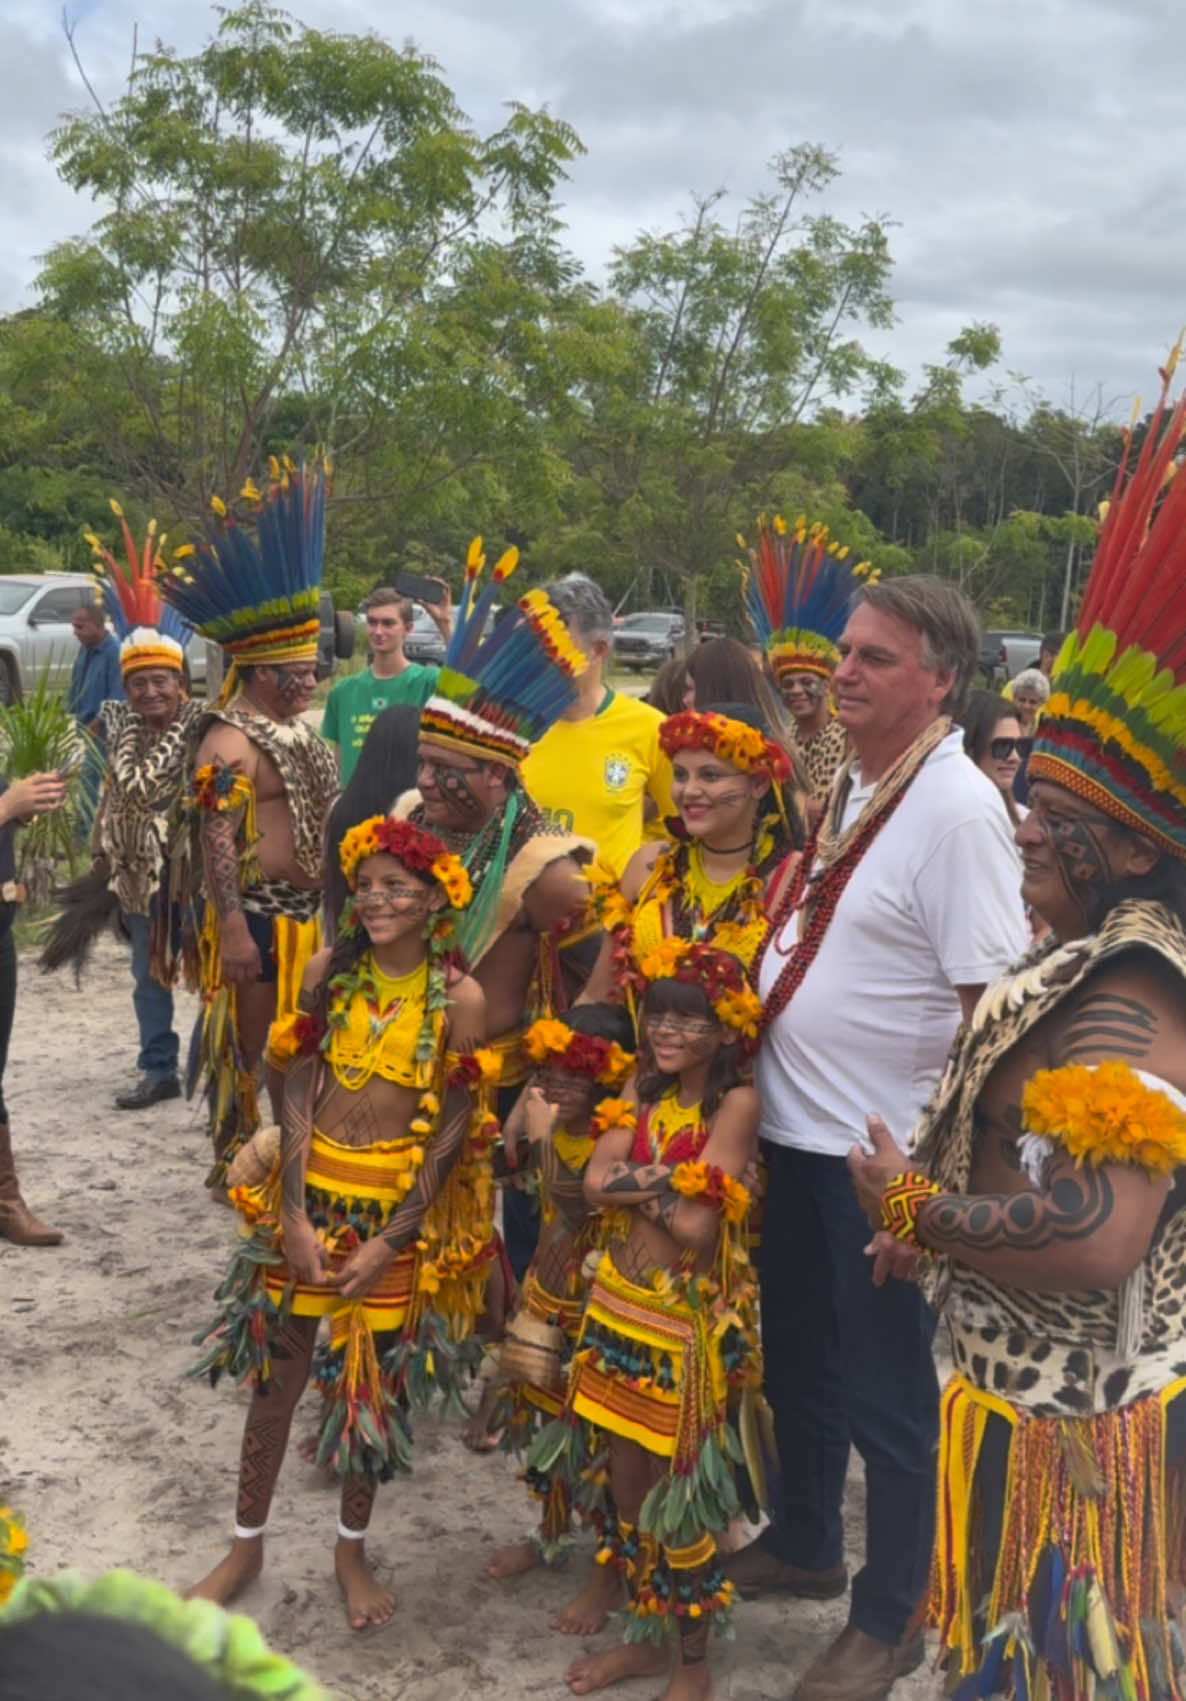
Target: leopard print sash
point(308, 768)
point(1052, 1352)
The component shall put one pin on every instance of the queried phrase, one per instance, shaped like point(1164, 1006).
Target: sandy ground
point(116, 1459)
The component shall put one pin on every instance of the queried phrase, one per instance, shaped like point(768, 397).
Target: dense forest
point(298, 237)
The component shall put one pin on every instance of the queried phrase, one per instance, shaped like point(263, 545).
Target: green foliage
point(299, 238)
point(37, 735)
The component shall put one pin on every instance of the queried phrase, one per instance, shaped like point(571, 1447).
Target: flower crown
point(719, 975)
point(420, 853)
point(549, 1040)
point(735, 742)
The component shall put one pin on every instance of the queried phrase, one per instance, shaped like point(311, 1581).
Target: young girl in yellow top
point(667, 1363)
point(378, 1213)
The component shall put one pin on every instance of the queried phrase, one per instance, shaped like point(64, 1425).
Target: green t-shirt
point(354, 702)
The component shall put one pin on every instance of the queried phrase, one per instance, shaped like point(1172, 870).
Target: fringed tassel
point(364, 1432)
point(1078, 1598)
point(236, 1342)
point(428, 1364)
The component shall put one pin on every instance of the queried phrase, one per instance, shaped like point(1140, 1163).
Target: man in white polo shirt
point(911, 906)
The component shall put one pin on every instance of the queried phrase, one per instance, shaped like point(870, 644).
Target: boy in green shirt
point(355, 700)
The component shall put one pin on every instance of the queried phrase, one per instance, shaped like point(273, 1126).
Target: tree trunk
point(1067, 582)
point(691, 586)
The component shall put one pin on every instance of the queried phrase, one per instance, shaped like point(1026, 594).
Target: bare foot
point(231, 1575)
point(690, 1683)
point(478, 1435)
point(630, 1659)
point(513, 1561)
point(368, 1603)
point(586, 1615)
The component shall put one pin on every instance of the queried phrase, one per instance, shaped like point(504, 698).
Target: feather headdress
point(797, 588)
point(498, 692)
point(151, 633)
point(1114, 729)
point(259, 596)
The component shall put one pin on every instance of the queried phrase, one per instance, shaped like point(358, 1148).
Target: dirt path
point(116, 1459)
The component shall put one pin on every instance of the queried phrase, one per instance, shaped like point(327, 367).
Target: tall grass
point(36, 735)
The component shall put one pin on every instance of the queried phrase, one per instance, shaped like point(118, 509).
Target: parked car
point(1004, 654)
point(646, 639)
point(36, 636)
point(424, 642)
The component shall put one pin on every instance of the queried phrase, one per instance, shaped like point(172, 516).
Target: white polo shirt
point(934, 904)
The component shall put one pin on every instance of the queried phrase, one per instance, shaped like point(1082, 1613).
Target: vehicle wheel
point(343, 634)
point(10, 685)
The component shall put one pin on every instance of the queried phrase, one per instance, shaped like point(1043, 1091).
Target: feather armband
point(1107, 1113)
point(471, 1069)
point(714, 1187)
point(613, 1113)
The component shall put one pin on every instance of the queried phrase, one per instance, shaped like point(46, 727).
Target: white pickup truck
point(36, 636)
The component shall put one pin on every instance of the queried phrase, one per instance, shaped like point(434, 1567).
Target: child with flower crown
point(581, 1063)
point(378, 1211)
point(667, 1362)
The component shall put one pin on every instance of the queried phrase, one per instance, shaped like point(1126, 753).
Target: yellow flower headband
point(549, 1040)
point(419, 852)
point(719, 975)
point(735, 742)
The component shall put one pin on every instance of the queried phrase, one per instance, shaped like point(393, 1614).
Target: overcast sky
point(1031, 151)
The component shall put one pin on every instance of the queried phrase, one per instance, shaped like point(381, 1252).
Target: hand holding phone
point(420, 588)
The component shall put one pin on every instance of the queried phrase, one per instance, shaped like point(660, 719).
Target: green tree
point(740, 333)
point(290, 220)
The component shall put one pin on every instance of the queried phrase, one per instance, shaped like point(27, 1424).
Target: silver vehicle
point(36, 636)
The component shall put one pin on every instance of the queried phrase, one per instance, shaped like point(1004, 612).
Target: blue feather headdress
point(259, 596)
point(798, 589)
point(499, 692)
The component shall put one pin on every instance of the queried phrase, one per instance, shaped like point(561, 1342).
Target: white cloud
point(1028, 149)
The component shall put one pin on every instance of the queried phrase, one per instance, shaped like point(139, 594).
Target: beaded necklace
point(666, 1121)
point(389, 1001)
point(815, 890)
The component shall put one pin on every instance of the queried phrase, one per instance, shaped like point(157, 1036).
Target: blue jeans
point(154, 1008)
point(845, 1363)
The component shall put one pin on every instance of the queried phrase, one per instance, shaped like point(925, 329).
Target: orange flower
point(1104, 1113)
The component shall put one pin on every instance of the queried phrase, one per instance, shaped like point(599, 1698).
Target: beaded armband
point(901, 1202)
point(711, 1184)
point(613, 1113)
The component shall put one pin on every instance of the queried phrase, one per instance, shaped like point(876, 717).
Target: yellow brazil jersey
point(591, 777)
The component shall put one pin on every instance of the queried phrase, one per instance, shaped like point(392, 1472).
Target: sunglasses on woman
point(1002, 748)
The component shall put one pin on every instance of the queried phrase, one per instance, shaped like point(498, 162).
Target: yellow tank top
point(651, 919)
point(379, 1030)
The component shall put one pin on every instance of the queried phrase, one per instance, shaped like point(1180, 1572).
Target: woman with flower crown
point(735, 843)
point(667, 1365)
point(377, 1211)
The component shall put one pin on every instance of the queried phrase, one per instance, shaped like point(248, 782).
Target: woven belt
point(13, 892)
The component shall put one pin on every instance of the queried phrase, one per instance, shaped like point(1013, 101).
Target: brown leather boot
point(857, 1667)
point(17, 1222)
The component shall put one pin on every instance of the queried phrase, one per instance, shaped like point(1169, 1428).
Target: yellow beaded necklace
point(381, 1029)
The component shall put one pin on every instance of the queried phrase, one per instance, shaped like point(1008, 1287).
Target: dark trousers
point(7, 1004)
point(845, 1363)
point(520, 1211)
